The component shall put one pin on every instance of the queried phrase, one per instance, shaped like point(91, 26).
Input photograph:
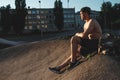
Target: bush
point(116, 46)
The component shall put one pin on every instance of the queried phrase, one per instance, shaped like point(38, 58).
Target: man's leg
point(75, 41)
point(74, 52)
point(65, 63)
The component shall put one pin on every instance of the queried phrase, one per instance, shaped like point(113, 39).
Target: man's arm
point(79, 34)
point(87, 30)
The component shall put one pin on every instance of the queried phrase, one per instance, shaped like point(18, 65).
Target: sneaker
point(72, 65)
point(55, 70)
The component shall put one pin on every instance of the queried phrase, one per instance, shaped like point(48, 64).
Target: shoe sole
point(57, 72)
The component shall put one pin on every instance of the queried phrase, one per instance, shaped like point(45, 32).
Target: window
point(26, 27)
point(65, 16)
point(33, 12)
point(42, 22)
point(42, 12)
point(29, 17)
point(38, 26)
point(29, 22)
point(46, 26)
point(43, 17)
point(38, 16)
point(50, 16)
point(34, 22)
point(72, 16)
point(30, 27)
point(65, 21)
point(42, 26)
point(29, 12)
point(37, 11)
point(46, 12)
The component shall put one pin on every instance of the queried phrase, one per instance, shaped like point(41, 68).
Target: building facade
point(69, 18)
point(40, 19)
point(43, 19)
point(79, 22)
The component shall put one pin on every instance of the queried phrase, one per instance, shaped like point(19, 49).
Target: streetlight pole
point(39, 4)
point(104, 15)
point(68, 3)
point(40, 21)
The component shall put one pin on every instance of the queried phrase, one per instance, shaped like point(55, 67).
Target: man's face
point(82, 15)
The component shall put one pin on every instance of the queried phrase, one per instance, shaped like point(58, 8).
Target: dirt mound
point(31, 61)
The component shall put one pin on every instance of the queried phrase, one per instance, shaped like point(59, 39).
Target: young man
point(88, 39)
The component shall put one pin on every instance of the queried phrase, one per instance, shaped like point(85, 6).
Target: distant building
point(79, 23)
point(43, 19)
point(95, 14)
point(40, 19)
point(69, 18)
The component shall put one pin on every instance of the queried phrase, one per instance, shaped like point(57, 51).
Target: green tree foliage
point(116, 11)
point(111, 15)
point(5, 19)
point(116, 16)
point(106, 11)
point(19, 16)
point(58, 13)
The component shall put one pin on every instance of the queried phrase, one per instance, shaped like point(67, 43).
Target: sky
point(77, 4)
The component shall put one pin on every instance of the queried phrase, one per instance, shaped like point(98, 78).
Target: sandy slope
point(31, 62)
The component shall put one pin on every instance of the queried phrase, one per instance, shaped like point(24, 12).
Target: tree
point(106, 11)
point(19, 16)
point(58, 13)
point(116, 16)
point(111, 15)
point(116, 11)
point(5, 19)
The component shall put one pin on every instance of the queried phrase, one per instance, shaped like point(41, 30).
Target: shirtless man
point(88, 39)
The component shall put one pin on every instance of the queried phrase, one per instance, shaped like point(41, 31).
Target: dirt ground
point(31, 61)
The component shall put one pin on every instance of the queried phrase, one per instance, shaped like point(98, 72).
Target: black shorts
point(88, 46)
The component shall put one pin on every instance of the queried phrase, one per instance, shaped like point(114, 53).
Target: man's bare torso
point(92, 29)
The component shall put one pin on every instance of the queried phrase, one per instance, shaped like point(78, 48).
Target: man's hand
point(93, 36)
point(79, 34)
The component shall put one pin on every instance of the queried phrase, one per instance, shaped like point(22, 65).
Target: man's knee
point(75, 39)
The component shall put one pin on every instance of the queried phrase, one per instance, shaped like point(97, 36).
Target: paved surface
point(38, 37)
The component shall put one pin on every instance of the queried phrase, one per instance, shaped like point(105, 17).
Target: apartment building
point(69, 18)
point(43, 19)
point(79, 23)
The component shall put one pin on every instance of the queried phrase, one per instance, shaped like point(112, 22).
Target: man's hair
point(86, 10)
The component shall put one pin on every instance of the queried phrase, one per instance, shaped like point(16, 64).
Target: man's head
point(85, 12)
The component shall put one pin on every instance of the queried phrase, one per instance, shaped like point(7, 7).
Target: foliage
point(58, 13)
point(110, 14)
point(116, 46)
point(5, 19)
point(19, 16)
point(116, 24)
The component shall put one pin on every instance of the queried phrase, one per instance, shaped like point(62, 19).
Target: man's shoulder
point(94, 21)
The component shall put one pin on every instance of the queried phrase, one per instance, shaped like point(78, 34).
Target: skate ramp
point(31, 61)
